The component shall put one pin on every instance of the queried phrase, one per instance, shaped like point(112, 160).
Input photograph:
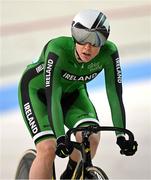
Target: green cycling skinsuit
point(52, 91)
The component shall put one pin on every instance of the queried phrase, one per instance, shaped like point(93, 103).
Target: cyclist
point(53, 93)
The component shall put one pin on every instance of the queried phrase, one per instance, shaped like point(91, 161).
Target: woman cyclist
point(53, 93)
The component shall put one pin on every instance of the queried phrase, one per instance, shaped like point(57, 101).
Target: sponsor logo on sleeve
point(118, 70)
point(30, 118)
point(48, 71)
point(39, 68)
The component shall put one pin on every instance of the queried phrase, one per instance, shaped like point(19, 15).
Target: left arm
point(113, 81)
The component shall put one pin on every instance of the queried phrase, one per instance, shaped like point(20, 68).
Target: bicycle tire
point(95, 173)
point(25, 164)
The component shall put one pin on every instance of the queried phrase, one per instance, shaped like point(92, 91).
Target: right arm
point(53, 91)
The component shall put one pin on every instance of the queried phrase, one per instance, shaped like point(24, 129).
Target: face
point(87, 52)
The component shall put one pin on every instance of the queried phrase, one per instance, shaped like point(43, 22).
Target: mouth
point(86, 54)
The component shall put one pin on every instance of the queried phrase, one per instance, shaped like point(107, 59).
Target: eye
point(81, 43)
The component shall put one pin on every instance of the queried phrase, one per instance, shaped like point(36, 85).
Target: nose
point(87, 46)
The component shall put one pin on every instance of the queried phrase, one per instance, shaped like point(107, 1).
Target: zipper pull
point(82, 66)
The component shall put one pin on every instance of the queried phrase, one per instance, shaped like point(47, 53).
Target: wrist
point(120, 136)
point(61, 139)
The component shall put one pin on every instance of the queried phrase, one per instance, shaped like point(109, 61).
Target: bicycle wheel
point(95, 173)
point(25, 164)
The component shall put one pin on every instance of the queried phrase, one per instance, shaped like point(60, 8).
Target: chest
point(82, 72)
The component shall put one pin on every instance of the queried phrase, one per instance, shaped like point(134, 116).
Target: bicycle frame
point(84, 147)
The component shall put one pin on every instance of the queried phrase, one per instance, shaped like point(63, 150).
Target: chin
point(86, 60)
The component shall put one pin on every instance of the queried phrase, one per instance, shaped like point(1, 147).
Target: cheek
point(96, 52)
point(78, 49)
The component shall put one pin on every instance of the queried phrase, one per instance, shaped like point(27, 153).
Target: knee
point(94, 140)
point(46, 149)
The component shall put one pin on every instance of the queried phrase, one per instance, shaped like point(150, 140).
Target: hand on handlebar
point(63, 149)
point(128, 148)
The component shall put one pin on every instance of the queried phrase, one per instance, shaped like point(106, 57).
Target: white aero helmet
point(90, 26)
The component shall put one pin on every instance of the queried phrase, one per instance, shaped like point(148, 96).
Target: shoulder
point(60, 45)
point(109, 53)
point(110, 47)
point(62, 41)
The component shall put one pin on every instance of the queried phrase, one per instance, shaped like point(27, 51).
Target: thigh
point(82, 111)
point(33, 109)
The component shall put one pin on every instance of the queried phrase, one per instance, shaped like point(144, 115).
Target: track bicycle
point(85, 168)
